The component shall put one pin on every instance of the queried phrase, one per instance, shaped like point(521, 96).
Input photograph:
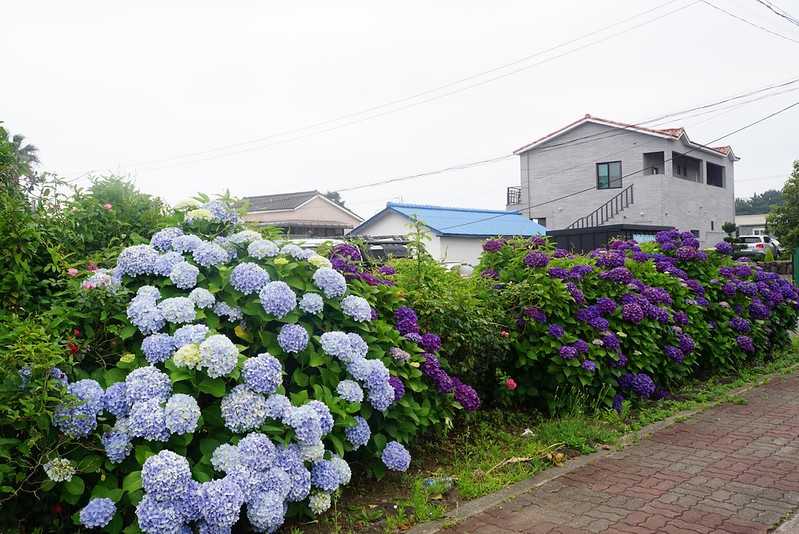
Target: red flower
point(510, 384)
point(76, 332)
point(504, 333)
point(73, 348)
point(57, 508)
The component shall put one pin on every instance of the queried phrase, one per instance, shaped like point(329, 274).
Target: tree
point(335, 196)
point(784, 219)
point(759, 203)
point(17, 159)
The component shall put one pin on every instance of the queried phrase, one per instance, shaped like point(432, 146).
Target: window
point(712, 226)
point(542, 221)
point(715, 175)
point(608, 175)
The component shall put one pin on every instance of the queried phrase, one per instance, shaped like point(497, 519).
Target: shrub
point(247, 372)
point(632, 320)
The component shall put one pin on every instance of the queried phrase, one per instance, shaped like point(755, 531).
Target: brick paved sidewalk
point(731, 469)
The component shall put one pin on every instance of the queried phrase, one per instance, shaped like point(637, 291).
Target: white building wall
point(551, 171)
point(461, 250)
point(392, 223)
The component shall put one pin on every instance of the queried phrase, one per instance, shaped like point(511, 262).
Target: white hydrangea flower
point(59, 470)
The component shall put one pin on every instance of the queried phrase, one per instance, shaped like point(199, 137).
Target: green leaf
point(299, 378)
point(127, 332)
point(132, 482)
point(142, 453)
point(316, 359)
point(213, 386)
point(75, 486)
point(208, 446)
point(337, 444)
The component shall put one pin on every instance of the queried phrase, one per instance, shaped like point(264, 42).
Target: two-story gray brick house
point(596, 172)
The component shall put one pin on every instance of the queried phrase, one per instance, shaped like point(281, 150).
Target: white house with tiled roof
point(596, 172)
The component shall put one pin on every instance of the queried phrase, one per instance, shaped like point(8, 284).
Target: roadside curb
point(481, 504)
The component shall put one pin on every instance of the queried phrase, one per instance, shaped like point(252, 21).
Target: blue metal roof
point(465, 221)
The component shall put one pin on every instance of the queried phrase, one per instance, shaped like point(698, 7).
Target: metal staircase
point(624, 199)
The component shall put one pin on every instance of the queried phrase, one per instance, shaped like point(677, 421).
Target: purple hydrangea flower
point(398, 386)
point(741, 325)
point(493, 245)
point(536, 314)
point(568, 352)
point(745, 343)
point(405, 320)
point(466, 395)
point(674, 353)
point(589, 366)
point(431, 342)
point(536, 259)
point(556, 330)
point(643, 385)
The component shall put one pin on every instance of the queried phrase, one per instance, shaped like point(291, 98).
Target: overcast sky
point(112, 88)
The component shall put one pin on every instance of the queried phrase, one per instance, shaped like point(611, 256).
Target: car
point(755, 246)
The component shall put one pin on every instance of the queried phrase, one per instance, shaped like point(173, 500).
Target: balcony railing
point(514, 195)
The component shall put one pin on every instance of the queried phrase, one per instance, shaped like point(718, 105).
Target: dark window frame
point(609, 178)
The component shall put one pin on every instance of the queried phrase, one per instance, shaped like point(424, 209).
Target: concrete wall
point(316, 209)
point(660, 199)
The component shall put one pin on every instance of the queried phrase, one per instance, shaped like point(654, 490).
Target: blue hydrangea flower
point(292, 338)
point(98, 513)
point(278, 298)
point(266, 511)
point(166, 476)
point(223, 309)
point(274, 479)
point(166, 262)
point(158, 348)
point(306, 424)
point(312, 453)
point(263, 374)
point(331, 282)
point(177, 310)
point(248, 278)
point(162, 239)
point(278, 407)
point(218, 355)
point(244, 236)
point(357, 308)
point(256, 451)
point(325, 417)
point(79, 418)
point(148, 292)
point(158, 517)
point(338, 345)
point(191, 333)
point(186, 243)
point(184, 275)
point(115, 400)
point(288, 460)
point(202, 298)
point(225, 457)
point(312, 303)
point(147, 383)
point(188, 506)
point(342, 470)
point(382, 397)
point(144, 314)
point(324, 476)
point(230, 247)
point(210, 255)
point(147, 420)
point(350, 391)
point(243, 409)
point(262, 248)
point(396, 457)
point(181, 413)
point(359, 434)
point(117, 446)
point(220, 502)
point(137, 260)
point(221, 212)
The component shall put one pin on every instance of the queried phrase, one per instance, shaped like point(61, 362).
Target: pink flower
point(107, 206)
point(73, 272)
point(87, 285)
point(510, 384)
point(91, 266)
point(504, 333)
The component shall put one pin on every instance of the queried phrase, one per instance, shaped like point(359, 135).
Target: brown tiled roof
point(281, 201)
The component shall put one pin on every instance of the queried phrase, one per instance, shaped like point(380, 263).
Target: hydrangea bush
point(253, 373)
point(632, 321)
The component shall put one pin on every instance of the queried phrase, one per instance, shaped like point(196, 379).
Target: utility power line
point(749, 22)
point(435, 97)
point(503, 157)
point(779, 12)
point(575, 193)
